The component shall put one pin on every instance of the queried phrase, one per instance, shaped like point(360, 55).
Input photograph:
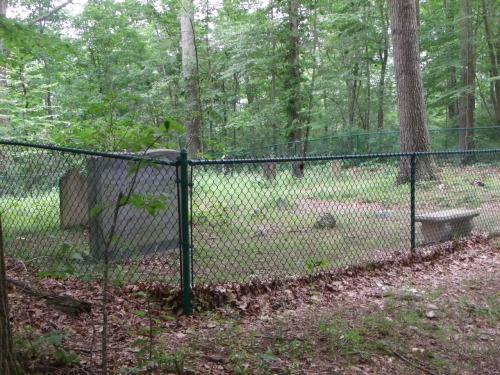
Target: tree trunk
point(190, 75)
point(467, 74)
point(313, 78)
point(292, 82)
point(3, 73)
point(492, 54)
point(9, 364)
point(384, 56)
point(452, 81)
point(367, 113)
point(413, 132)
point(292, 87)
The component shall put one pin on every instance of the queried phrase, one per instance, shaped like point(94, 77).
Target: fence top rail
point(130, 156)
point(353, 135)
point(339, 157)
point(124, 155)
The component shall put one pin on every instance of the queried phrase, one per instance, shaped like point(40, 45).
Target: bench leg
point(462, 227)
point(436, 232)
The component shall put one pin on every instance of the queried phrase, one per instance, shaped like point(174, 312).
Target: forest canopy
point(105, 74)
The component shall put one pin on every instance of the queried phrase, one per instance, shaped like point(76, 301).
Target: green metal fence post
point(413, 172)
point(185, 239)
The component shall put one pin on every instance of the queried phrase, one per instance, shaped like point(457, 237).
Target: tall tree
point(452, 81)
point(467, 76)
point(490, 13)
point(292, 86)
point(3, 82)
point(292, 79)
point(191, 78)
point(413, 132)
point(383, 55)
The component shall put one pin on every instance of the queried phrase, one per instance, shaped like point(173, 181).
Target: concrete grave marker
point(74, 205)
point(137, 232)
point(336, 166)
point(270, 171)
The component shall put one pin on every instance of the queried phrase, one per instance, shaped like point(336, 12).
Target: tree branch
point(49, 13)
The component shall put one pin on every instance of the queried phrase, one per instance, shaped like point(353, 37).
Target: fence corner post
point(185, 237)
point(413, 172)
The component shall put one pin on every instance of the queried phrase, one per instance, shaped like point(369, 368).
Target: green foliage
point(108, 77)
point(70, 263)
point(28, 42)
point(50, 343)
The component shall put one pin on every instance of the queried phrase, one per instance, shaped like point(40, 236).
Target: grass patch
point(244, 226)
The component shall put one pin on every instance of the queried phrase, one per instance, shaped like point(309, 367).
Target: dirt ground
point(437, 315)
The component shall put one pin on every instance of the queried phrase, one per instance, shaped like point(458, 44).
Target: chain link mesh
point(265, 218)
point(58, 210)
point(275, 218)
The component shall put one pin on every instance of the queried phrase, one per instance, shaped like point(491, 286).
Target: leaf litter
point(436, 311)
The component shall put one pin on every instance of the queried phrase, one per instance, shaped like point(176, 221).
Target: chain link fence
point(446, 139)
point(64, 210)
point(281, 217)
point(159, 216)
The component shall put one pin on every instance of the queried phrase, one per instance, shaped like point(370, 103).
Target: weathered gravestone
point(74, 206)
point(270, 171)
point(298, 169)
point(137, 232)
point(336, 167)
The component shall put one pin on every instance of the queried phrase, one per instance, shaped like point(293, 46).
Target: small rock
point(469, 328)
point(256, 212)
point(431, 314)
point(385, 214)
point(432, 306)
point(282, 202)
point(325, 221)
point(260, 233)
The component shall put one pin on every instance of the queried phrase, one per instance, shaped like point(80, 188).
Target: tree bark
point(3, 72)
point(49, 13)
point(453, 110)
point(292, 87)
point(492, 54)
point(467, 75)
point(313, 77)
point(414, 134)
point(384, 56)
point(190, 75)
point(9, 364)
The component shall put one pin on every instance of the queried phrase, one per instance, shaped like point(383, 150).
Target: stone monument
point(74, 205)
point(137, 232)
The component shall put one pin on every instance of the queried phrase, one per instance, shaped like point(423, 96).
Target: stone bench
point(444, 225)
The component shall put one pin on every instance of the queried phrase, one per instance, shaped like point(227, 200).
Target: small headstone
point(385, 214)
point(260, 233)
point(227, 168)
point(282, 202)
point(269, 171)
point(137, 232)
point(74, 205)
point(298, 169)
point(256, 212)
point(336, 167)
point(325, 221)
